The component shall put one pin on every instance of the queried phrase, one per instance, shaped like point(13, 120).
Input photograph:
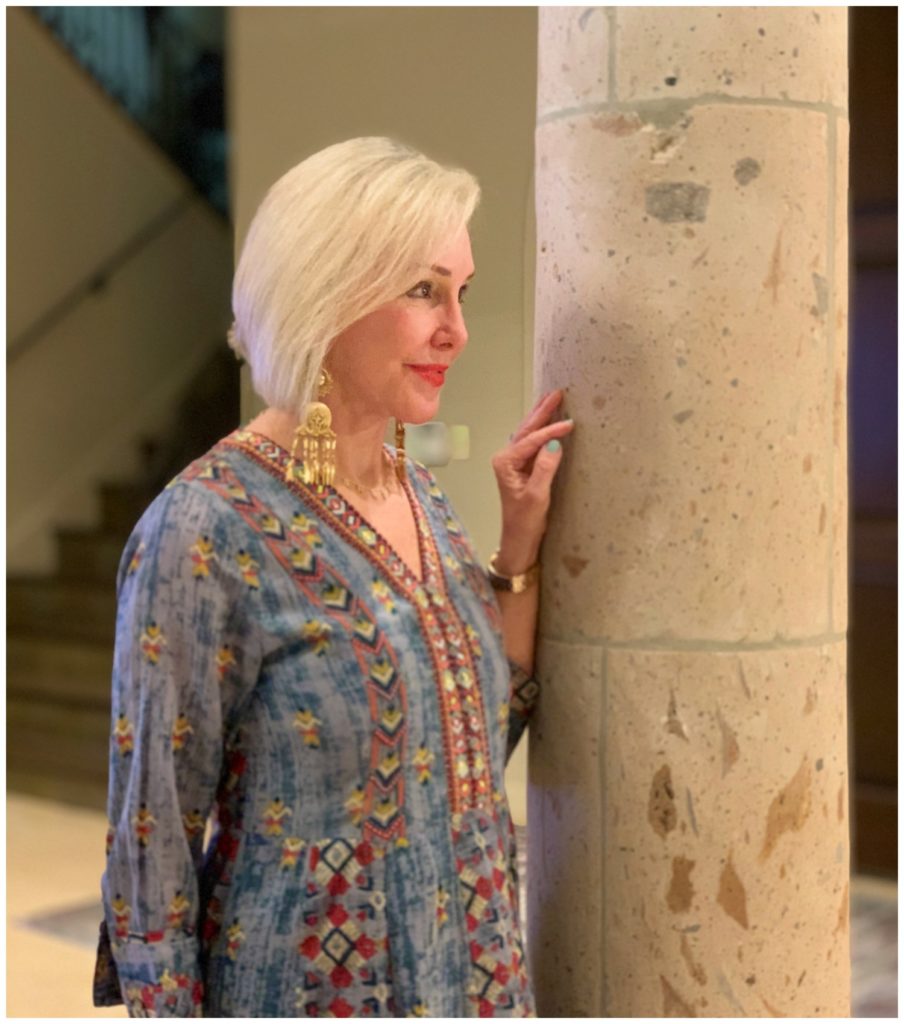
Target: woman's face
point(392, 362)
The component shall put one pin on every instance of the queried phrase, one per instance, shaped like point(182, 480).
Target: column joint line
point(695, 645)
point(601, 747)
point(832, 185)
point(612, 19)
point(679, 106)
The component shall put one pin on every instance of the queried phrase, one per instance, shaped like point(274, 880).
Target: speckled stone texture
point(687, 805)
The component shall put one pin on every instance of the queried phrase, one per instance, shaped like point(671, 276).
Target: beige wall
point(82, 180)
point(460, 84)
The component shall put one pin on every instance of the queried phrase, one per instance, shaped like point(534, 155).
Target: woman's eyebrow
point(446, 272)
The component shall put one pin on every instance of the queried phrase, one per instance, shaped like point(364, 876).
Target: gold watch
point(515, 584)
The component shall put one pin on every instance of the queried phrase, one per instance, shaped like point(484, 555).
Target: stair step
point(122, 505)
point(61, 609)
point(62, 787)
point(74, 674)
point(90, 554)
point(56, 750)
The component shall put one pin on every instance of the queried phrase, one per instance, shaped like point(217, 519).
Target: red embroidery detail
point(499, 979)
point(388, 701)
point(465, 740)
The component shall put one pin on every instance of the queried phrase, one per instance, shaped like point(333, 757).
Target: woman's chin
point(420, 412)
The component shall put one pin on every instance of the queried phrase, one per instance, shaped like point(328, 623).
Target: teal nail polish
point(553, 445)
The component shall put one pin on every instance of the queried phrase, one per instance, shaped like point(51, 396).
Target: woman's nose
point(454, 332)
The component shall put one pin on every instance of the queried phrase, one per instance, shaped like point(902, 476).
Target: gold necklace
point(379, 492)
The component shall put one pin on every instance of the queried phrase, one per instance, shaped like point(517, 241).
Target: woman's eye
point(424, 290)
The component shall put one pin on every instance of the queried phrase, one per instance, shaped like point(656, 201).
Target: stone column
point(688, 787)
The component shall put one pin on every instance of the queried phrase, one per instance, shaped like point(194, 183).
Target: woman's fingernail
point(553, 445)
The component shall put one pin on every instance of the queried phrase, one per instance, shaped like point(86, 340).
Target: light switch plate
point(437, 444)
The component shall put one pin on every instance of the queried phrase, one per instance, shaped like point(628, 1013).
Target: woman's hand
point(524, 470)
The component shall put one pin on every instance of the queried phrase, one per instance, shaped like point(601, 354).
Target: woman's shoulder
point(200, 495)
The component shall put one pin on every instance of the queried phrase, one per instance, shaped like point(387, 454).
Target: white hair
point(338, 235)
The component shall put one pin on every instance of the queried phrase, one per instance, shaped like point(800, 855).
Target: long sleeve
point(524, 693)
point(185, 660)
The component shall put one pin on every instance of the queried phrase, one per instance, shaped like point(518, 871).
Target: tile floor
point(53, 913)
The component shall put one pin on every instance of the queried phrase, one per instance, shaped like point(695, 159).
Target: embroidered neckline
point(466, 747)
point(337, 511)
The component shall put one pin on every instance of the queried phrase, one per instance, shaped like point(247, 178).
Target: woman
point(310, 663)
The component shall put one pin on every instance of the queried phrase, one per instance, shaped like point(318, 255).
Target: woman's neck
point(359, 445)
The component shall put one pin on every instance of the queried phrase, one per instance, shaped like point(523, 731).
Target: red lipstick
point(433, 373)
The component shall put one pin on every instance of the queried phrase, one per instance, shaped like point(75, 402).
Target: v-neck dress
point(307, 813)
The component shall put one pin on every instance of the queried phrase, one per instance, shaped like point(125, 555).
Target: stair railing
point(98, 278)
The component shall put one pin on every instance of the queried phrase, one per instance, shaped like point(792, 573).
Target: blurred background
point(139, 142)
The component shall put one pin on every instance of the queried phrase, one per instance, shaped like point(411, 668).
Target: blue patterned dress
point(307, 809)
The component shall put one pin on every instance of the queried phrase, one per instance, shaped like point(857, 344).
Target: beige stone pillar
point(688, 788)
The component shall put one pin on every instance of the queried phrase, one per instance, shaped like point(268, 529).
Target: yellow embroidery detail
point(181, 731)
point(423, 758)
point(465, 679)
point(318, 633)
point(291, 850)
point(305, 528)
point(224, 659)
point(307, 725)
point(301, 559)
point(167, 982)
point(175, 912)
point(202, 554)
point(442, 898)
point(383, 595)
point(473, 639)
point(355, 805)
point(502, 716)
point(249, 569)
point(135, 560)
point(335, 596)
point(367, 535)
point(144, 823)
point(152, 643)
point(454, 566)
point(121, 912)
point(390, 718)
point(385, 811)
point(271, 525)
point(235, 937)
point(193, 823)
point(273, 816)
point(382, 670)
point(389, 764)
point(122, 733)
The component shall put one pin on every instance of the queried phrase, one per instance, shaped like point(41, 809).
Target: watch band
point(515, 584)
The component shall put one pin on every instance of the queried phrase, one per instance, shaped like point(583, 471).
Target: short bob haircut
point(339, 234)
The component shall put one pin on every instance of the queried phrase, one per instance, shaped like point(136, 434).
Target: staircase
point(165, 67)
point(60, 628)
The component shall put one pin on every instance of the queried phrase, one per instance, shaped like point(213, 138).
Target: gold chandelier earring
point(400, 450)
point(317, 439)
